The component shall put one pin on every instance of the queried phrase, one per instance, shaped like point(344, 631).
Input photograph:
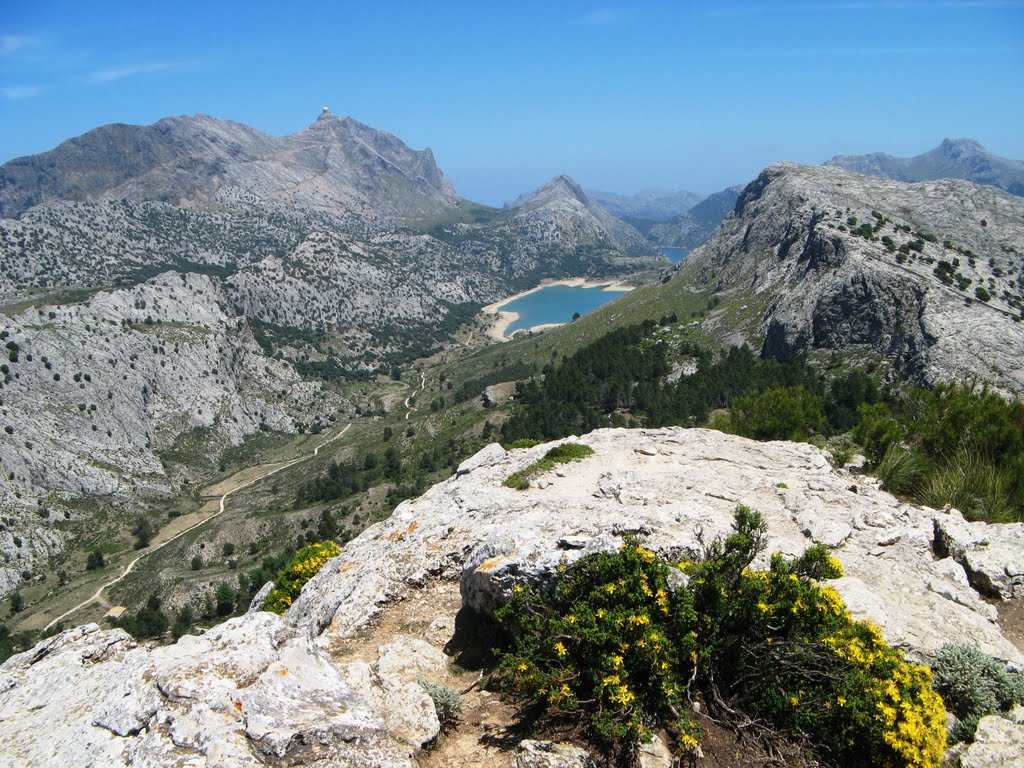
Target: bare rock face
point(262, 689)
point(561, 212)
point(97, 389)
point(198, 158)
point(925, 275)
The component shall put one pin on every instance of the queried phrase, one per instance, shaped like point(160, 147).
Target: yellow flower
point(571, 618)
point(623, 696)
point(687, 743)
point(560, 649)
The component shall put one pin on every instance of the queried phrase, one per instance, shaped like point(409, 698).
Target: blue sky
point(693, 95)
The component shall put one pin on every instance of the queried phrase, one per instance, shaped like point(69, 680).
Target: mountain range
point(164, 284)
point(339, 250)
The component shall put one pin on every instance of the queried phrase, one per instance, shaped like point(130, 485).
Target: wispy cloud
point(120, 73)
point(18, 92)
point(11, 43)
point(605, 17)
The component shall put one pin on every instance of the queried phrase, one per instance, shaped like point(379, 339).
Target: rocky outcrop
point(560, 211)
point(545, 754)
point(923, 276)
point(992, 556)
point(288, 692)
point(251, 691)
point(666, 486)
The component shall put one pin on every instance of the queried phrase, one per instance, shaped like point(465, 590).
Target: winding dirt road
point(269, 469)
point(410, 408)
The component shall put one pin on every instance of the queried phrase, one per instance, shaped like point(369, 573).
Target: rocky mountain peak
point(956, 148)
point(561, 187)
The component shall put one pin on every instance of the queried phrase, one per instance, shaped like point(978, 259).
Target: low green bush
point(447, 702)
point(293, 577)
point(560, 454)
point(973, 685)
point(628, 639)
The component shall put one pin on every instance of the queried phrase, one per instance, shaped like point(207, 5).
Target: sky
point(681, 95)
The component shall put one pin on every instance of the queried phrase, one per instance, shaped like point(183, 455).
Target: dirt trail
point(177, 528)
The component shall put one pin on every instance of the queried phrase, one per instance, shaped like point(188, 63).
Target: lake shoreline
point(500, 319)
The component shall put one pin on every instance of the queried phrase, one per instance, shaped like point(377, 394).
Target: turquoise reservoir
point(556, 304)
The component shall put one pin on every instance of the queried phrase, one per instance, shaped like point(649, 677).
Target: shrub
point(300, 569)
point(778, 413)
point(627, 638)
point(560, 454)
point(95, 560)
point(972, 685)
point(447, 702)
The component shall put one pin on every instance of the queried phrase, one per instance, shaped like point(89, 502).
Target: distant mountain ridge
point(196, 159)
point(953, 159)
point(649, 204)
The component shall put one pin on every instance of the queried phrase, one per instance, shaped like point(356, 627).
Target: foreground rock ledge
point(265, 690)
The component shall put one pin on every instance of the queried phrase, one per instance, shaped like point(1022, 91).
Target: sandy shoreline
point(500, 319)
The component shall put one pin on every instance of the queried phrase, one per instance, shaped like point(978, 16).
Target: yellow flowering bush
point(621, 640)
point(293, 577)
